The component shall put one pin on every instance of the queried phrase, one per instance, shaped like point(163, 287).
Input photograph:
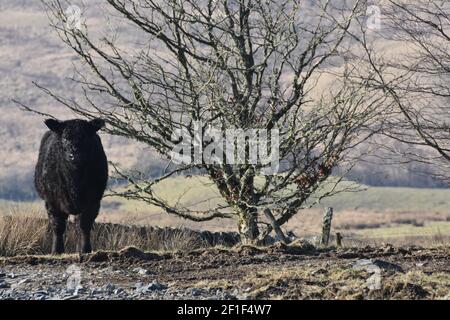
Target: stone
point(41, 292)
point(119, 291)
point(26, 280)
point(228, 296)
point(196, 292)
point(153, 286)
point(361, 264)
point(141, 271)
point(386, 265)
point(109, 287)
point(371, 265)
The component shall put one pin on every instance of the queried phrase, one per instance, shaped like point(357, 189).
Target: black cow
point(71, 176)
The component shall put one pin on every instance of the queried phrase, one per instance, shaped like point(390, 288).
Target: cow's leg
point(85, 223)
point(58, 221)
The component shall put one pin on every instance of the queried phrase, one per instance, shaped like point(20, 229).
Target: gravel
point(52, 284)
point(224, 275)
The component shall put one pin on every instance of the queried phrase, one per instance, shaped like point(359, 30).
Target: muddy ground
point(297, 271)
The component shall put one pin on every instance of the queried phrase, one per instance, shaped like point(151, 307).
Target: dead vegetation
point(295, 271)
point(24, 230)
point(24, 235)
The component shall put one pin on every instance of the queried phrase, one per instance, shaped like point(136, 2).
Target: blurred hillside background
point(397, 195)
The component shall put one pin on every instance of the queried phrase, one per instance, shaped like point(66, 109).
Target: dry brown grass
point(358, 227)
point(24, 235)
point(334, 282)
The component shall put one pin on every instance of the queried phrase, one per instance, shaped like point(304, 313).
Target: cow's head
point(78, 137)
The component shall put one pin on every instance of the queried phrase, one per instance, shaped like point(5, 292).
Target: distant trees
point(217, 65)
point(417, 79)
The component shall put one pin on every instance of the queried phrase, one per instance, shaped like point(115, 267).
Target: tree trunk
point(248, 227)
point(275, 226)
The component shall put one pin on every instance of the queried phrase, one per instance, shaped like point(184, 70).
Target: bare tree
point(417, 80)
point(239, 64)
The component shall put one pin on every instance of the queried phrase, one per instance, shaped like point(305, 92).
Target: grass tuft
point(23, 235)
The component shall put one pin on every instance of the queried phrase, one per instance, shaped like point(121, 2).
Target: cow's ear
point(97, 124)
point(54, 125)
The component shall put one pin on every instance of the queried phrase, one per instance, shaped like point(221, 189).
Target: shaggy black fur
point(71, 176)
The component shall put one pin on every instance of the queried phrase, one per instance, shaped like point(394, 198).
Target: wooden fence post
point(338, 239)
point(326, 226)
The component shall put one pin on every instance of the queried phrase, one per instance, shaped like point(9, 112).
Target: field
point(402, 216)
point(138, 257)
point(395, 243)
